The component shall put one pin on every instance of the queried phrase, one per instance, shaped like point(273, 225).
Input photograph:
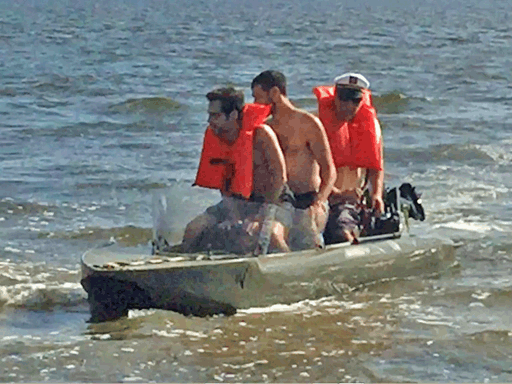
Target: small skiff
point(202, 284)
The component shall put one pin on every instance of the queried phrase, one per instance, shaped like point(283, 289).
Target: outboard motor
point(407, 200)
point(409, 197)
point(400, 204)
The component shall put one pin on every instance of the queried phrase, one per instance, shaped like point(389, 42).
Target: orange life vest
point(356, 143)
point(229, 168)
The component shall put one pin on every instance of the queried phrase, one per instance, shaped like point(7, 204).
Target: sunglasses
point(349, 94)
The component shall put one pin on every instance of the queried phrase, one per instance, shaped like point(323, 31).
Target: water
point(102, 105)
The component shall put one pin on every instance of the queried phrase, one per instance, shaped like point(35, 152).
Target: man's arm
point(266, 141)
point(319, 145)
point(376, 179)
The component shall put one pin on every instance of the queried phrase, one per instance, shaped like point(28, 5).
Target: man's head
point(349, 93)
point(268, 86)
point(225, 112)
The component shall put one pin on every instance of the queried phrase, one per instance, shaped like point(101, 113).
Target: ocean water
point(102, 105)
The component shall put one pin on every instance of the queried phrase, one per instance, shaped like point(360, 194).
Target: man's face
point(225, 127)
point(261, 96)
point(345, 107)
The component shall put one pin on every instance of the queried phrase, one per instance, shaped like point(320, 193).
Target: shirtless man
point(309, 166)
point(242, 158)
point(355, 138)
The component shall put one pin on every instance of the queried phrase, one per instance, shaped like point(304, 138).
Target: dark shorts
point(285, 197)
point(219, 211)
point(304, 200)
point(342, 217)
point(299, 201)
point(285, 205)
point(223, 210)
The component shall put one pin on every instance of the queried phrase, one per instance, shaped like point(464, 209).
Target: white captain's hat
point(352, 79)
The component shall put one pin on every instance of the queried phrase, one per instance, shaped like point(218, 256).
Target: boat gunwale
point(210, 260)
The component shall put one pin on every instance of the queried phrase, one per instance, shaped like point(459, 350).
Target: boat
point(203, 284)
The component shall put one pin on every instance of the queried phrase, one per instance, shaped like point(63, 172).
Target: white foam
point(164, 333)
point(134, 313)
point(303, 306)
point(471, 226)
point(12, 250)
point(132, 379)
point(42, 295)
point(432, 322)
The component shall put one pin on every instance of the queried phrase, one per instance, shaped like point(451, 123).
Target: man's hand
point(378, 205)
point(251, 226)
point(319, 207)
point(319, 213)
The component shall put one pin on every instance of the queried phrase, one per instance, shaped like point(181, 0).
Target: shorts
point(304, 233)
point(219, 211)
point(223, 210)
point(285, 197)
point(342, 217)
point(304, 200)
point(284, 212)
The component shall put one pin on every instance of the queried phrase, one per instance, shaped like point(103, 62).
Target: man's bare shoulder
point(309, 119)
point(264, 133)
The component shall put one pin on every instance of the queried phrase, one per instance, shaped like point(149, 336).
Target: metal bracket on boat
point(405, 211)
point(266, 229)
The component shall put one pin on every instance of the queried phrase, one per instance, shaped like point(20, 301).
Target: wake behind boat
point(203, 284)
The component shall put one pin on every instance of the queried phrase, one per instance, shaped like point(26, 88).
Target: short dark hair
point(269, 79)
point(231, 99)
point(354, 95)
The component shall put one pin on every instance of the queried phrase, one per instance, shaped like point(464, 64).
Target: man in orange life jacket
point(242, 158)
point(355, 138)
point(309, 166)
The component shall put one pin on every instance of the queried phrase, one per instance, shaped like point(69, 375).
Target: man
point(309, 165)
point(241, 158)
point(355, 138)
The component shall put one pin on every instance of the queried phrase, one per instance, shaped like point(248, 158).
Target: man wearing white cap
point(355, 138)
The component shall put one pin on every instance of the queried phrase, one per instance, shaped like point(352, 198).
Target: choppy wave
point(36, 287)
point(9, 92)
point(479, 227)
point(307, 103)
point(138, 185)
point(58, 84)
point(54, 83)
point(147, 105)
point(50, 102)
point(125, 236)
point(9, 206)
point(391, 103)
point(464, 153)
point(302, 306)
point(85, 128)
point(483, 296)
point(41, 296)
